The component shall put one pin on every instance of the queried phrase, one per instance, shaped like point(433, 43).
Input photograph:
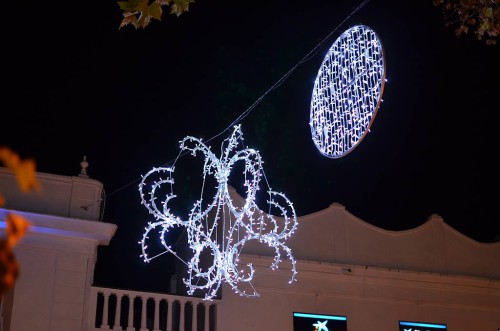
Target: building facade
point(58, 254)
point(351, 275)
point(431, 275)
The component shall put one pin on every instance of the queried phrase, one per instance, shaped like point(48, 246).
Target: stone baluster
point(105, 312)
point(194, 319)
point(169, 315)
point(156, 326)
point(207, 316)
point(118, 312)
point(130, 326)
point(182, 323)
point(144, 309)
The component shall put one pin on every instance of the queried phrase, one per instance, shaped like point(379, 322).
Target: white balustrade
point(169, 313)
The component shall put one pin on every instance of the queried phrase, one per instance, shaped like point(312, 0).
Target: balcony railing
point(115, 309)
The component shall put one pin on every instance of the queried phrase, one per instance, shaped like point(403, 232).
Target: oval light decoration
point(347, 91)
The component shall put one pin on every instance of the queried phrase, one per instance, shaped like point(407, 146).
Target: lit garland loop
point(221, 229)
point(347, 91)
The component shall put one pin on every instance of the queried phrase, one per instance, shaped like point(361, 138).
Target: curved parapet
point(335, 235)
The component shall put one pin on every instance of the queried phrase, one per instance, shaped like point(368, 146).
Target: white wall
point(51, 289)
point(57, 258)
point(371, 298)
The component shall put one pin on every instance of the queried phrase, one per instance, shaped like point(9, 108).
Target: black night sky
point(75, 85)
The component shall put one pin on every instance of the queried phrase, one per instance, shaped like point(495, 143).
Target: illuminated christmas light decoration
point(347, 91)
point(219, 229)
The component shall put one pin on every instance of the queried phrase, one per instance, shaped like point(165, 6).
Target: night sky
point(75, 85)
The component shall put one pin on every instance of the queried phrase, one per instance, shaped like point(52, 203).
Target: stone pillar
point(182, 320)
point(156, 326)
point(130, 326)
point(105, 312)
point(169, 315)
point(194, 319)
point(144, 308)
point(118, 312)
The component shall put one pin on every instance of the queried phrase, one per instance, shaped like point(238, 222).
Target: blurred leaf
point(477, 16)
point(488, 12)
point(461, 29)
point(25, 173)
point(23, 169)
point(17, 226)
point(9, 158)
point(9, 267)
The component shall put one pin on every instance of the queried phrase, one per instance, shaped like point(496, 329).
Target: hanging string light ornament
point(347, 91)
point(218, 230)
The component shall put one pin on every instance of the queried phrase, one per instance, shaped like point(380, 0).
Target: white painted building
point(347, 267)
point(373, 277)
point(58, 254)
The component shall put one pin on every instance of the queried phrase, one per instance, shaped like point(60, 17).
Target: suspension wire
point(280, 81)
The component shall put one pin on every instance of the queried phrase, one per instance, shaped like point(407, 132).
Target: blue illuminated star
point(321, 326)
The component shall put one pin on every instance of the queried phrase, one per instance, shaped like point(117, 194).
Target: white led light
point(347, 91)
point(220, 229)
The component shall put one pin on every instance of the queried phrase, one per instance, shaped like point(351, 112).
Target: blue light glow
point(330, 317)
point(428, 325)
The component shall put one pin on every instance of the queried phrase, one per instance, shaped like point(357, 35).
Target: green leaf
point(154, 10)
point(180, 6)
point(488, 12)
point(140, 12)
point(129, 5)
